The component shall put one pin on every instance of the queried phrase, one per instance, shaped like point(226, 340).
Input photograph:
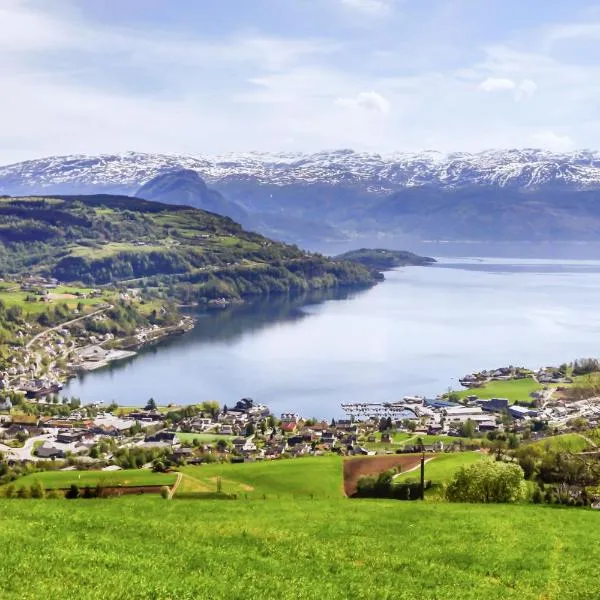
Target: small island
point(383, 260)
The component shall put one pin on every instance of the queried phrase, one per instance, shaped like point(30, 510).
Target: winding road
point(26, 452)
point(39, 336)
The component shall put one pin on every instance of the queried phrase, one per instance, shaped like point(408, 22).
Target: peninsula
point(383, 260)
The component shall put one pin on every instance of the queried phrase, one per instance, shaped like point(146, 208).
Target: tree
point(150, 405)
point(250, 429)
point(513, 441)
point(486, 482)
point(467, 429)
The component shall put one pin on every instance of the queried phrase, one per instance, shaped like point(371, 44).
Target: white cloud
point(497, 84)
point(372, 8)
point(526, 88)
point(366, 100)
point(550, 140)
point(522, 90)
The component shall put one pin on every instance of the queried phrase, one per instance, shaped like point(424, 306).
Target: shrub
point(37, 490)
point(10, 491)
point(23, 492)
point(487, 482)
point(164, 492)
point(73, 492)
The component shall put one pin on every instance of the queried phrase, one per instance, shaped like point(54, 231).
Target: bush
point(23, 492)
point(488, 481)
point(37, 490)
point(165, 492)
point(10, 491)
point(538, 496)
point(73, 492)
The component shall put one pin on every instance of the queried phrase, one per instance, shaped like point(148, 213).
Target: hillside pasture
point(441, 467)
point(514, 390)
point(62, 480)
point(145, 547)
point(568, 442)
point(314, 477)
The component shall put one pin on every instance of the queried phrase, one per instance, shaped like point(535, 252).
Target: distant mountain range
point(503, 195)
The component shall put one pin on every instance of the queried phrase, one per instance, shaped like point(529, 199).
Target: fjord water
point(416, 333)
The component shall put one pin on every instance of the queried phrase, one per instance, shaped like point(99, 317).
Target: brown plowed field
point(372, 465)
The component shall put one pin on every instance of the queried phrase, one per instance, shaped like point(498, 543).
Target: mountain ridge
point(128, 171)
point(346, 196)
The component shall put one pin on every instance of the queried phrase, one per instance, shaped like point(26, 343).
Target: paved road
point(46, 331)
point(25, 453)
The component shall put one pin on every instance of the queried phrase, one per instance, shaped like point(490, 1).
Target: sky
point(219, 76)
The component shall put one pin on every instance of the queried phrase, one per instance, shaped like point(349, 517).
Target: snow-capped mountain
point(505, 195)
point(125, 173)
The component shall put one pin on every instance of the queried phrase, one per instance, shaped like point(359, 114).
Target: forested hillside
point(187, 253)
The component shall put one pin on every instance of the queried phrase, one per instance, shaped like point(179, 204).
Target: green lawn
point(571, 442)
point(205, 438)
point(441, 468)
point(319, 477)
point(146, 547)
point(513, 390)
point(18, 298)
point(53, 480)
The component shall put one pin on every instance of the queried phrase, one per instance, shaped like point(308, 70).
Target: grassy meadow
point(55, 480)
point(146, 547)
point(316, 477)
point(571, 442)
point(440, 468)
point(11, 295)
point(513, 390)
point(204, 438)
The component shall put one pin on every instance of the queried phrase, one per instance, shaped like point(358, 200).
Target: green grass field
point(318, 477)
point(53, 480)
point(59, 295)
point(441, 468)
point(572, 442)
point(205, 438)
point(146, 547)
point(513, 390)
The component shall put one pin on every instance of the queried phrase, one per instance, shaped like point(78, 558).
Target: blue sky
point(218, 76)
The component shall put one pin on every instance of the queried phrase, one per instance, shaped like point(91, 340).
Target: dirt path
point(175, 485)
point(39, 336)
point(413, 468)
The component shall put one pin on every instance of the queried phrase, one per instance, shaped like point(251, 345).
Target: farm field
point(146, 547)
point(55, 480)
point(60, 295)
point(318, 477)
point(441, 467)
point(514, 390)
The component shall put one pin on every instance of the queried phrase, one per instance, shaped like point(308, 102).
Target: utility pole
point(423, 476)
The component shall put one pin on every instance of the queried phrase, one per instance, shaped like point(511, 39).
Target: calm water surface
point(416, 333)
